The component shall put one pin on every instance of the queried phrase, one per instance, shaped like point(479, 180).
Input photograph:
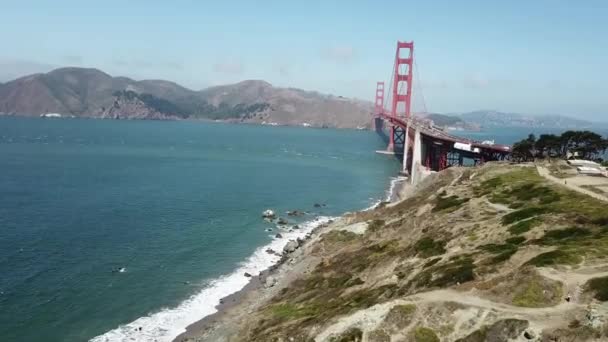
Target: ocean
point(109, 226)
point(132, 230)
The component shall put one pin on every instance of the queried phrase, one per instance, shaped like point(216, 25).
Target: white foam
point(389, 192)
point(167, 324)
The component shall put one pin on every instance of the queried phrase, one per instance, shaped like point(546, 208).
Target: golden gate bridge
point(424, 147)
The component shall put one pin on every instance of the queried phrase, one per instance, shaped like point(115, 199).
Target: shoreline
point(218, 325)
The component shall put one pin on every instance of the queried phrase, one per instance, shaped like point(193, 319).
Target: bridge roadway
point(425, 128)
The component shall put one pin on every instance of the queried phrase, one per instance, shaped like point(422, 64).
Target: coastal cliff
point(492, 253)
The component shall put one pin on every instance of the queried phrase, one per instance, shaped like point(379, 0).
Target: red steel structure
point(398, 78)
point(379, 107)
point(434, 148)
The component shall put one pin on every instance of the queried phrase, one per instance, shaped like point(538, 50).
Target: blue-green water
point(177, 204)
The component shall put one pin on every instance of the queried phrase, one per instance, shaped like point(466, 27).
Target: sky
point(525, 56)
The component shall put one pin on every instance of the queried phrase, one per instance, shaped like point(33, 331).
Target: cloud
point(143, 64)
point(73, 59)
point(12, 69)
point(476, 82)
point(339, 54)
point(228, 67)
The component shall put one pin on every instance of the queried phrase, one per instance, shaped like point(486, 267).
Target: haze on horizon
point(537, 57)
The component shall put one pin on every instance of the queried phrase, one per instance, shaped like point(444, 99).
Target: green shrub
point(522, 214)
point(427, 247)
point(516, 240)
point(561, 236)
point(375, 225)
point(524, 226)
point(600, 288)
point(557, 257)
point(423, 334)
point(449, 202)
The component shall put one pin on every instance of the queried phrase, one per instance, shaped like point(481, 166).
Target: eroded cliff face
point(481, 254)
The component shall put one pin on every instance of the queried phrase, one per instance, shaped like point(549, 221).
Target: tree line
point(583, 144)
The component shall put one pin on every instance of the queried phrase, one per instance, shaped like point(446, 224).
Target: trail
point(564, 182)
point(483, 308)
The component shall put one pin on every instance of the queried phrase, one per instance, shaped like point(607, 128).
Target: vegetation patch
point(427, 247)
point(378, 335)
point(516, 240)
point(503, 330)
point(535, 294)
point(503, 252)
point(455, 272)
point(350, 335)
point(556, 257)
point(563, 236)
point(337, 236)
point(599, 288)
point(522, 214)
point(375, 225)
point(450, 203)
point(400, 316)
point(423, 334)
point(431, 262)
point(524, 226)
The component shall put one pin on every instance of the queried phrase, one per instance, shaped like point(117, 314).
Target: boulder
point(269, 214)
point(247, 275)
point(282, 221)
point(295, 213)
point(270, 251)
point(317, 205)
point(291, 246)
point(270, 282)
point(296, 227)
point(278, 236)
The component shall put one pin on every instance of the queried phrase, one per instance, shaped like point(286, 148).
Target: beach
point(234, 309)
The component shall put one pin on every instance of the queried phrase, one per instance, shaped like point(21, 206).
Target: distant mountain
point(488, 119)
point(92, 93)
point(448, 121)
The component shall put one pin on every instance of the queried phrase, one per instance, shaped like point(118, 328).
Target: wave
point(165, 325)
point(390, 193)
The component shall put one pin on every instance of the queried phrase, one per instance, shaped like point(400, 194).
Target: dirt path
point(564, 182)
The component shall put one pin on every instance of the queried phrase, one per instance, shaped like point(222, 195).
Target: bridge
point(423, 147)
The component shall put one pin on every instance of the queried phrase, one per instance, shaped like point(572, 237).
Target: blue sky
point(537, 57)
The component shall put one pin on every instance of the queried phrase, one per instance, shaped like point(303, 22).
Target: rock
point(247, 275)
point(268, 214)
point(296, 227)
point(268, 229)
point(270, 282)
point(270, 251)
point(291, 246)
point(529, 334)
point(317, 205)
point(299, 241)
point(278, 236)
point(295, 213)
point(282, 221)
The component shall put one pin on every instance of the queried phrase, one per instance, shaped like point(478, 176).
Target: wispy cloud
point(229, 67)
point(12, 69)
point(146, 64)
point(73, 60)
point(339, 54)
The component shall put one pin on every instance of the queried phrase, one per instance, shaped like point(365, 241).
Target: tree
point(585, 144)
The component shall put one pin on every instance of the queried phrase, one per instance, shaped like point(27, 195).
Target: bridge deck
point(426, 129)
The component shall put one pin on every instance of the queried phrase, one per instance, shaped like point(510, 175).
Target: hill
point(84, 92)
point(494, 253)
point(489, 118)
